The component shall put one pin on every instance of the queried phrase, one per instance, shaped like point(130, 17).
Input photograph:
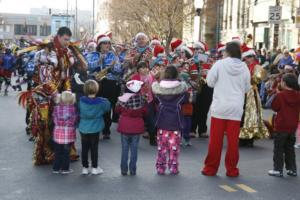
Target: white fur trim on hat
point(134, 85)
point(185, 48)
point(221, 49)
point(250, 52)
point(199, 45)
point(104, 39)
point(157, 42)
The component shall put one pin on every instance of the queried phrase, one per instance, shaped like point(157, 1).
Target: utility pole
point(93, 25)
point(276, 30)
point(76, 20)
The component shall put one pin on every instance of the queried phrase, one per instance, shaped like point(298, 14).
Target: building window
point(57, 24)
point(19, 29)
point(7, 28)
point(45, 30)
point(31, 29)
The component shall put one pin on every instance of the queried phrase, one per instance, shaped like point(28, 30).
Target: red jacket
point(287, 106)
point(132, 109)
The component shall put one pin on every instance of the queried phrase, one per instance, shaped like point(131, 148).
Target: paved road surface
point(20, 180)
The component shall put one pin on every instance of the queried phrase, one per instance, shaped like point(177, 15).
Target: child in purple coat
point(171, 94)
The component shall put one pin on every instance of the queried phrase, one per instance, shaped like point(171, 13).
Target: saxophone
point(99, 76)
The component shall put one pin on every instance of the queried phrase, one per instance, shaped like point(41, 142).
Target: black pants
point(89, 142)
point(109, 89)
point(62, 157)
point(201, 109)
point(284, 151)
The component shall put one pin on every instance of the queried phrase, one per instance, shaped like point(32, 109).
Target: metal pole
point(76, 20)
point(93, 29)
point(276, 30)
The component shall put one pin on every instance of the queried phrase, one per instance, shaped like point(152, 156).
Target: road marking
point(227, 188)
point(246, 188)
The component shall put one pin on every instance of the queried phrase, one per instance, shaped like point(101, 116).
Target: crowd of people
point(161, 93)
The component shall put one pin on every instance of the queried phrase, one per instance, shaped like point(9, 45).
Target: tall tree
point(159, 18)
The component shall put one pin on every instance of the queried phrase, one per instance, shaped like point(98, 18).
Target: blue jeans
point(129, 142)
point(62, 157)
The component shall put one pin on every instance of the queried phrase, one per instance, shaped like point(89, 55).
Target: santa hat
point(246, 51)
point(91, 43)
point(221, 47)
point(134, 85)
point(288, 67)
point(200, 45)
point(189, 50)
point(109, 34)
point(194, 70)
point(236, 39)
point(158, 51)
point(140, 34)
point(102, 38)
point(206, 66)
point(176, 44)
point(155, 41)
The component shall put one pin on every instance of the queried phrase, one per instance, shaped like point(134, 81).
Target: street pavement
point(20, 180)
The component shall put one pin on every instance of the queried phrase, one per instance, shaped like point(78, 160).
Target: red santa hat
point(187, 49)
point(236, 39)
point(155, 41)
point(102, 38)
point(91, 43)
point(176, 44)
point(194, 70)
point(221, 47)
point(246, 51)
point(158, 51)
point(201, 45)
point(109, 34)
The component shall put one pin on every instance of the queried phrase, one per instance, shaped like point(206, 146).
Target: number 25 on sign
point(275, 14)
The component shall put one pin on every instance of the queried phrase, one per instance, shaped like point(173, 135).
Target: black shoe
point(132, 173)
point(106, 137)
point(291, 173)
point(31, 139)
point(124, 173)
point(14, 87)
point(153, 143)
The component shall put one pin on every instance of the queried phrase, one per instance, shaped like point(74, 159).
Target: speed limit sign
point(275, 14)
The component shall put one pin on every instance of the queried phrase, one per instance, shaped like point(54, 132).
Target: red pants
point(212, 161)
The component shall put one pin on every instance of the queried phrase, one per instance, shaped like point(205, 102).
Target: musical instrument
point(259, 74)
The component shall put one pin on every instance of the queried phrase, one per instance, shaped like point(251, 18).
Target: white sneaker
point(97, 171)
point(85, 171)
point(297, 146)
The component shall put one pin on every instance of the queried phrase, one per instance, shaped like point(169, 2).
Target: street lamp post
point(197, 19)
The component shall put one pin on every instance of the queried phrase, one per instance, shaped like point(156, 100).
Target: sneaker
point(106, 137)
point(97, 171)
point(69, 171)
point(85, 171)
point(132, 173)
point(297, 146)
point(291, 173)
point(55, 172)
point(275, 173)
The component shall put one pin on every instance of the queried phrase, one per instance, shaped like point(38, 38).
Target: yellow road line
point(227, 188)
point(246, 188)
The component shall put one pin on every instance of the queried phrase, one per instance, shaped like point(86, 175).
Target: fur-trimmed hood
point(169, 87)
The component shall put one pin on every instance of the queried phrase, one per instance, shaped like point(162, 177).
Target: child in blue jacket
point(91, 123)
